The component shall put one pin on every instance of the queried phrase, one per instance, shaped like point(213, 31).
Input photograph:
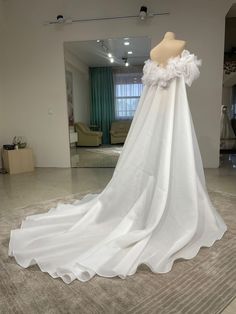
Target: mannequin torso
point(168, 48)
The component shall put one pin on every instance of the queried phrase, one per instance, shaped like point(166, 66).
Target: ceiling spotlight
point(143, 13)
point(109, 55)
point(126, 43)
point(111, 60)
point(98, 40)
point(130, 52)
point(60, 18)
point(125, 61)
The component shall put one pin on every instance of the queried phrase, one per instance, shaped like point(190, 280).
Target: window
point(128, 88)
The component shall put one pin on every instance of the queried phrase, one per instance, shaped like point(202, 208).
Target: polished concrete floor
point(49, 183)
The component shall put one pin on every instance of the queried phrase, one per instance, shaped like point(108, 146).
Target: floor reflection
point(105, 156)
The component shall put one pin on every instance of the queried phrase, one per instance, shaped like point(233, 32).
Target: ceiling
point(94, 53)
point(232, 11)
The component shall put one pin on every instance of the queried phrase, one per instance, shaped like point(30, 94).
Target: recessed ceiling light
point(130, 52)
point(126, 43)
point(98, 40)
point(111, 60)
point(126, 64)
point(109, 55)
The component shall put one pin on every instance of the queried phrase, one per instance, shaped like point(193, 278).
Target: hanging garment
point(154, 210)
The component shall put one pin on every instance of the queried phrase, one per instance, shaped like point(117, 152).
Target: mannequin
point(161, 220)
point(226, 130)
point(167, 48)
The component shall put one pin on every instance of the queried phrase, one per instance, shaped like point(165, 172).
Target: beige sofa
point(86, 137)
point(119, 131)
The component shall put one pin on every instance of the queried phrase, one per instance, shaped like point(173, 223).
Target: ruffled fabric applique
point(186, 64)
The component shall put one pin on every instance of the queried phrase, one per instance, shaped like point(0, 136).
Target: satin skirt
point(154, 210)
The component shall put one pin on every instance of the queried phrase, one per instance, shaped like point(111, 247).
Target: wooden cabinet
point(18, 160)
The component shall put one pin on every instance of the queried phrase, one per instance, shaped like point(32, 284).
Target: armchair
point(86, 137)
point(119, 131)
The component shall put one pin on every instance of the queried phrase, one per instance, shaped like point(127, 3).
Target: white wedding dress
point(227, 136)
point(154, 210)
point(226, 130)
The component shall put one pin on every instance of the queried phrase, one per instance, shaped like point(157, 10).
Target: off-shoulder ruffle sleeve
point(186, 64)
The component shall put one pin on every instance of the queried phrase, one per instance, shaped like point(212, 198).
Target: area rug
point(204, 284)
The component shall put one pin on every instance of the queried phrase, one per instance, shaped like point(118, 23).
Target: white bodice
point(185, 65)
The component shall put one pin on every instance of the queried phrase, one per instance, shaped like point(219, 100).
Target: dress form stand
point(168, 48)
point(154, 210)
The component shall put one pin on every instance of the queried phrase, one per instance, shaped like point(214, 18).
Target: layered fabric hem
point(83, 274)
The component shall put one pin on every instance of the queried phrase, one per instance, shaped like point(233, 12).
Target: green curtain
point(102, 100)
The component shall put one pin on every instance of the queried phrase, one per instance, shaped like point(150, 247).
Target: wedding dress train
point(154, 210)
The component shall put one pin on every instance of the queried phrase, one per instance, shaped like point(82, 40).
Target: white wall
point(2, 118)
point(81, 99)
point(1, 76)
point(82, 111)
point(35, 80)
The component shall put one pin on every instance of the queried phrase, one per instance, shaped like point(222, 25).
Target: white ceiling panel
point(94, 53)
